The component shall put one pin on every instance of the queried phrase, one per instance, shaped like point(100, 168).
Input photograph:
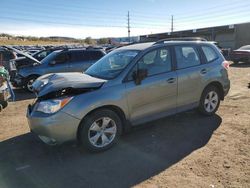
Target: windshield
point(50, 57)
point(112, 64)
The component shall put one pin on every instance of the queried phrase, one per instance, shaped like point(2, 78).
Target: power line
point(87, 9)
point(215, 13)
point(69, 24)
point(58, 23)
point(106, 17)
point(137, 21)
point(212, 19)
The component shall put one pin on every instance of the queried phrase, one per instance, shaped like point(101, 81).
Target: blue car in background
point(65, 60)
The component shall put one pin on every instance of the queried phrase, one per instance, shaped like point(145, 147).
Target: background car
point(241, 55)
point(40, 55)
point(5, 56)
point(67, 60)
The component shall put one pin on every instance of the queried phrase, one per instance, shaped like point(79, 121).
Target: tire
point(28, 83)
point(210, 101)
point(100, 130)
point(4, 104)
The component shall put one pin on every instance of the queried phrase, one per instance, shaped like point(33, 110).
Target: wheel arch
point(33, 75)
point(116, 109)
point(219, 86)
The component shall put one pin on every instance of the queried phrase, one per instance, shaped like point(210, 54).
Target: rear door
point(190, 72)
point(156, 95)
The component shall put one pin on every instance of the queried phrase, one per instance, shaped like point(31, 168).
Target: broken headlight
point(53, 105)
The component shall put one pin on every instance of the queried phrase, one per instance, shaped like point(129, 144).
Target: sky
point(108, 18)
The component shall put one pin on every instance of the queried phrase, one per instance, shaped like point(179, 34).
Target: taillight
point(225, 64)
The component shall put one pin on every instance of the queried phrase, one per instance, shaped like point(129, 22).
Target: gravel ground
point(185, 150)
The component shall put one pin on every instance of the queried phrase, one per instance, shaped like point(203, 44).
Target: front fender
point(82, 104)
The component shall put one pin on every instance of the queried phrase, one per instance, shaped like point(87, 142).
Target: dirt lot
point(186, 150)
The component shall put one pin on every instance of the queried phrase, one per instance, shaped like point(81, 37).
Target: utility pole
point(128, 27)
point(172, 24)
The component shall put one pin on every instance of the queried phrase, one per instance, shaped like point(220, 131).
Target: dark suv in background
point(67, 60)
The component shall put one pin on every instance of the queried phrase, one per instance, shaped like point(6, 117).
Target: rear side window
point(186, 56)
point(209, 53)
point(93, 55)
point(76, 56)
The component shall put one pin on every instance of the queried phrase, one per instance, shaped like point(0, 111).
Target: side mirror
point(52, 63)
point(140, 75)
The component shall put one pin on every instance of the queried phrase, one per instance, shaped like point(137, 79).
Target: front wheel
point(210, 101)
point(29, 82)
point(100, 130)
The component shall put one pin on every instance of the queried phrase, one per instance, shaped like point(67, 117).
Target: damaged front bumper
point(53, 128)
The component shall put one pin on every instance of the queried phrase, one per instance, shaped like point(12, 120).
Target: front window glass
point(156, 62)
point(112, 64)
point(50, 57)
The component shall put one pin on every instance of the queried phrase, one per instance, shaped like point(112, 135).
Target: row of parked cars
point(94, 97)
point(26, 63)
point(26, 69)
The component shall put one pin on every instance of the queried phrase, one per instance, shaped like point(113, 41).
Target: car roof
point(139, 46)
point(143, 46)
point(77, 49)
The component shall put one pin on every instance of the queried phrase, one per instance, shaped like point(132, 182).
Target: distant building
point(228, 36)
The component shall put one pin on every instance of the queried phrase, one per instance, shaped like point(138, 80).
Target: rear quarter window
point(209, 53)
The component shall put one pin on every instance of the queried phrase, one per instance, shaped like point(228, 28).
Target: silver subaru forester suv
point(127, 87)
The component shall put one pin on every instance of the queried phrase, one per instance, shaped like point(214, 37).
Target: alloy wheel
point(102, 132)
point(29, 84)
point(211, 101)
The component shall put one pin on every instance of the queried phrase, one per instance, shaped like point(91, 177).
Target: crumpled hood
point(58, 81)
point(22, 53)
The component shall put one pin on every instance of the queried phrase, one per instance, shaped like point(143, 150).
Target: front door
point(59, 64)
point(156, 94)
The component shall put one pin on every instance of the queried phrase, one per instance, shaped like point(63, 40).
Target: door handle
point(171, 80)
point(203, 71)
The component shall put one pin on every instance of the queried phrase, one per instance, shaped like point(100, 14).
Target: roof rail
point(180, 39)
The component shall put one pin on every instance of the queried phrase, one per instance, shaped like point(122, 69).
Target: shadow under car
point(141, 154)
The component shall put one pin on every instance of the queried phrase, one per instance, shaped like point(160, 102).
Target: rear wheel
point(100, 130)
point(210, 101)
